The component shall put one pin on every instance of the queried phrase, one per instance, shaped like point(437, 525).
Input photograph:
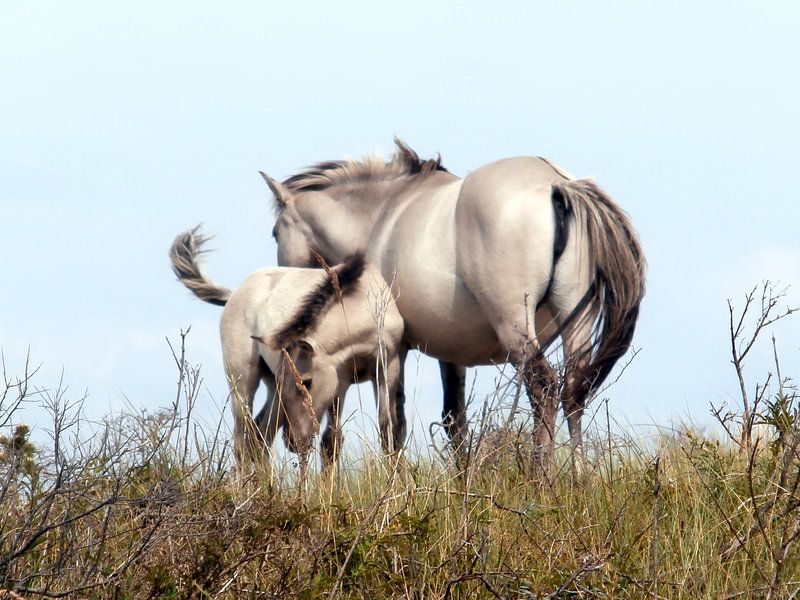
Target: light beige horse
point(488, 268)
point(308, 334)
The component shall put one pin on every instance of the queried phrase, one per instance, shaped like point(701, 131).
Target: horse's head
point(311, 223)
point(292, 231)
point(309, 387)
point(332, 207)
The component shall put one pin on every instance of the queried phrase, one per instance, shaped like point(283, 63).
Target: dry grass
point(148, 506)
point(143, 510)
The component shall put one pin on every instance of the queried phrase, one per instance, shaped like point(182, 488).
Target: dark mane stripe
point(329, 173)
point(341, 280)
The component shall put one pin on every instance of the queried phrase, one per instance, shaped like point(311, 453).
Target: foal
point(308, 334)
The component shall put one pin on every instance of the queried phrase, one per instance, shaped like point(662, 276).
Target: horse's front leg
point(400, 400)
point(454, 411)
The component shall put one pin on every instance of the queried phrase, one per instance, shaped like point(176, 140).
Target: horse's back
point(264, 301)
point(364, 316)
point(529, 174)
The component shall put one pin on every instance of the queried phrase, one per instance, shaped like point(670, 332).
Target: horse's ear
point(302, 345)
point(282, 195)
point(301, 352)
point(404, 152)
point(305, 346)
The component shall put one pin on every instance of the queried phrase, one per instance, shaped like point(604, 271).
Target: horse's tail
point(618, 282)
point(184, 255)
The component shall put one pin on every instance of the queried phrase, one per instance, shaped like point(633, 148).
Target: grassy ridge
point(130, 515)
point(148, 506)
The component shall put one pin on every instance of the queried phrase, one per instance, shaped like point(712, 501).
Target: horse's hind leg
point(577, 338)
point(454, 411)
point(541, 384)
point(243, 378)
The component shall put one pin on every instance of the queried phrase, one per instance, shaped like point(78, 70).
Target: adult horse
point(488, 268)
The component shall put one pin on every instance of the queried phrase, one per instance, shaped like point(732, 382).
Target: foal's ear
point(306, 347)
point(282, 195)
point(302, 354)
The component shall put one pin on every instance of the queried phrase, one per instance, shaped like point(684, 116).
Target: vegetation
point(148, 506)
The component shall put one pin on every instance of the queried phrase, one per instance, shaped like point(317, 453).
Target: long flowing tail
point(184, 255)
point(619, 273)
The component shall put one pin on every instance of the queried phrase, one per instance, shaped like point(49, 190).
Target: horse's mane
point(340, 282)
point(327, 174)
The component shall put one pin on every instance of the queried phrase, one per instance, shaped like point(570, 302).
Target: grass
point(136, 513)
point(149, 506)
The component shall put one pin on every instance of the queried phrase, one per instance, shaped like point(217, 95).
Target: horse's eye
point(275, 233)
point(307, 383)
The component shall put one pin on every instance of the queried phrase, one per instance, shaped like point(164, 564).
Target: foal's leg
point(454, 412)
point(267, 420)
point(243, 378)
point(332, 439)
point(243, 370)
point(385, 383)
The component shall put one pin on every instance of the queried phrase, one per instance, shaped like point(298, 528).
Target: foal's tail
point(619, 266)
point(183, 255)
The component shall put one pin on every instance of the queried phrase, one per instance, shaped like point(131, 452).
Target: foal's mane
point(339, 282)
point(327, 174)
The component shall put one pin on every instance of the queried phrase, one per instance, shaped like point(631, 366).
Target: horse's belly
point(469, 340)
point(469, 350)
point(415, 249)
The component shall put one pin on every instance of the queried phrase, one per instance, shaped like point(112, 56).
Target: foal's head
point(311, 376)
point(304, 401)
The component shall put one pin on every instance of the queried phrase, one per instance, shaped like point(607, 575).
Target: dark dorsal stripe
point(341, 279)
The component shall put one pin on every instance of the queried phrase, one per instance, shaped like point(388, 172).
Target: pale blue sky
point(121, 124)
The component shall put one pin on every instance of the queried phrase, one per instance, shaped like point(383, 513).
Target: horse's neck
point(372, 200)
point(357, 209)
point(341, 225)
point(364, 204)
